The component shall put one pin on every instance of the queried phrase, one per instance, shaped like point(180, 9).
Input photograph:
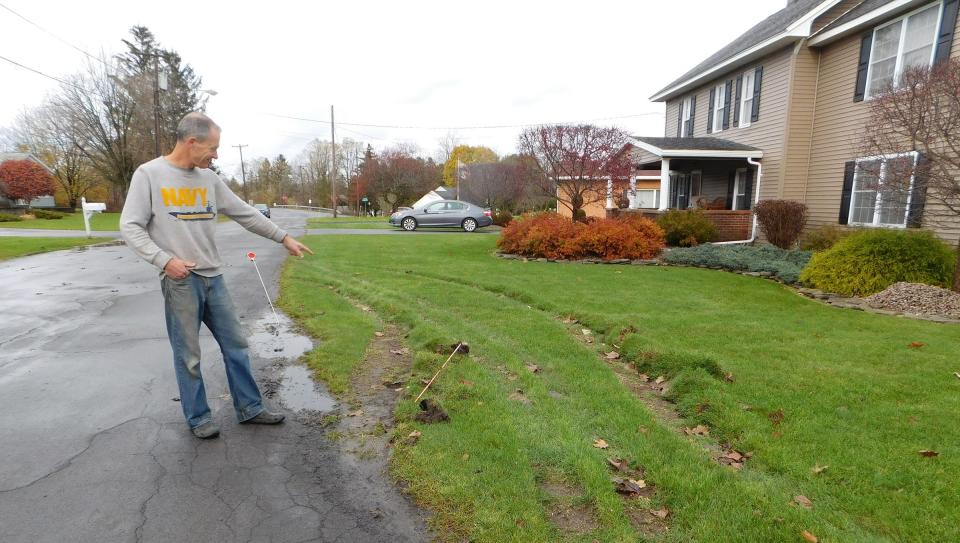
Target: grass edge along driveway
point(834, 404)
point(14, 247)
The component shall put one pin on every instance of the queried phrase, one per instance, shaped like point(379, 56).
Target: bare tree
point(445, 146)
point(498, 185)
point(575, 161)
point(915, 129)
point(98, 111)
point(40, 132)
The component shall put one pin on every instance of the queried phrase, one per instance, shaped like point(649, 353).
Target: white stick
point(267, 293)
point(460, 344)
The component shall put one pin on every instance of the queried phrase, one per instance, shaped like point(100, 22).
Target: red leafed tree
point(920, 114)
point(576, 160)
point(24, 179)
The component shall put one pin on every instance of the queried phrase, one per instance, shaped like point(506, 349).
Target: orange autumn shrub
point(548, 235)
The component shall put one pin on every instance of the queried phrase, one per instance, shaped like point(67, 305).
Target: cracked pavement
point(95, 449)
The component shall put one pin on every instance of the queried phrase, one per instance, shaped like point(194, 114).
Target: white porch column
point(632, 196)
point(610, 193)
point(664, 184)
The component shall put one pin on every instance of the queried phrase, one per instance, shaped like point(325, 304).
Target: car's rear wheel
point(409, 224)
point(469, 224)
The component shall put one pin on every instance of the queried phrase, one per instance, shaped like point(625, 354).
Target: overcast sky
point(393, 63)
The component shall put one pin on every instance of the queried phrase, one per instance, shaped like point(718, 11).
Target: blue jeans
point(188, 302)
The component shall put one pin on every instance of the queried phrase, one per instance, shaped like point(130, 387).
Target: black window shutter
point(848, 169)
point(736, 104)
point(758, 76)
point(748, 190)
point(713, 96)
point(918, 194)
point(730, 183)
point(948, 22)
point(680, 119)
point(865, 43)
point(726, 103)
point(693, 114)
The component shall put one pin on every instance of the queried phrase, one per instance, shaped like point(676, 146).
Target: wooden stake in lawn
point(430, 382)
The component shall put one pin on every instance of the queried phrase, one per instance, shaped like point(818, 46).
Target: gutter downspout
point(756, 198)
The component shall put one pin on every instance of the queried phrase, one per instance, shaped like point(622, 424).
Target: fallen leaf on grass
point(619, 464)
point(916, 345)
point(776, 417)
point(356, 413)
point(413, 437)
point(466, 383)
point(698, 430)
point(465, 457)
point(534, 368)
point(588, 339)
point(817, 469)
point(612, 355)
point(660, 513)
point(728, 377)
point(629, 486)
point(600, 444)
point(586, 331)
point(807, 536)
point(519, 396)
point(364, 307)
point(400, 352)
point(643, 429)
point(644, 377)
point(569, 320)
point(660, 379)
point(378, 334)
point(956, 374)
point(928, 453)
point(802, 501)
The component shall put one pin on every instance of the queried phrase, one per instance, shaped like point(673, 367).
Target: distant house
point(777, 114)
point(42, 201)
point(439, 193)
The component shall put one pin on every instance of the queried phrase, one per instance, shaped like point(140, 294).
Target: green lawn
point(350, 222)
point(853, 395)
point(72, 221)
point(12, 247)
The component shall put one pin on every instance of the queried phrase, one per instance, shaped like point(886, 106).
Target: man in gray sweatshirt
point(169, 220)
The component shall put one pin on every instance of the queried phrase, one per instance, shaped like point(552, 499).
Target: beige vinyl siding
point(672, 111)
point(767, 133)
point(837, 129)
point(799, 124)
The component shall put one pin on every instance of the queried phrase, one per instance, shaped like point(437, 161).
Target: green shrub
point(580, 215)
point(782, 263)
point(781, 221)
point(548, 235)
point(9, 217)
point(824, 237)
point(869, 261)
point(45, 214)
point(502, 217)
point(687, 228)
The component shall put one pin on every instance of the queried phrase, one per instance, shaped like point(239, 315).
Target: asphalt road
point(94, 448)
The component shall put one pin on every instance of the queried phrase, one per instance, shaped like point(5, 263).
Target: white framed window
point(648, 198)
point(719, 111)
point(746, 98)
point(685, 117)
point(878, 197)
point(907, 42)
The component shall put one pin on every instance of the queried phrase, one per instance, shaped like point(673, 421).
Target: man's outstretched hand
point(294, 247)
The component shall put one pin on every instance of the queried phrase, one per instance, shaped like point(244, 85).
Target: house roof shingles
point(765, 29)
point(862, 9)
point(694, 144)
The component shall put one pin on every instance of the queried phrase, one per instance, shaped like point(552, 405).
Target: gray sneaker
point(206, 430)
point(265, 417)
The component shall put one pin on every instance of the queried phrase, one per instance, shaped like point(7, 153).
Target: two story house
point(780, 111)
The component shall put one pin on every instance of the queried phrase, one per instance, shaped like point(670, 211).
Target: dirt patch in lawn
point(566, 509)
point(366, 414)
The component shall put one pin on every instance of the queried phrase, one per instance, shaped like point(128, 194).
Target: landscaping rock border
point(836, 300)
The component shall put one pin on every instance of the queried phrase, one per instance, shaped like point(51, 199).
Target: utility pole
point(243, 173)
point(156, 102)
point(333, 164)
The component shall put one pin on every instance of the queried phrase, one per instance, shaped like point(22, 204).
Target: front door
point(680, 184)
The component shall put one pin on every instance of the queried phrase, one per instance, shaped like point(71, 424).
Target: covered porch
point(720, 177)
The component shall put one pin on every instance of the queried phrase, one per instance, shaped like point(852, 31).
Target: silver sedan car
point(443, 213)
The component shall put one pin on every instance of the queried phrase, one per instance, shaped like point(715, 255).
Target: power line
point(38, 72)
point(51, 34)
point(458, 127)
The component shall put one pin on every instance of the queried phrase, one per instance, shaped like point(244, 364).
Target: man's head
point(198, 138)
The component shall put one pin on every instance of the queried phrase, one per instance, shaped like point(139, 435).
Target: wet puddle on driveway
point(290, 382)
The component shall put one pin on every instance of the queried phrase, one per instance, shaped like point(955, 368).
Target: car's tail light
point(486, 212)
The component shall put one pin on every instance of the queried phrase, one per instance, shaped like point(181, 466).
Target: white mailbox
point(89, 209)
